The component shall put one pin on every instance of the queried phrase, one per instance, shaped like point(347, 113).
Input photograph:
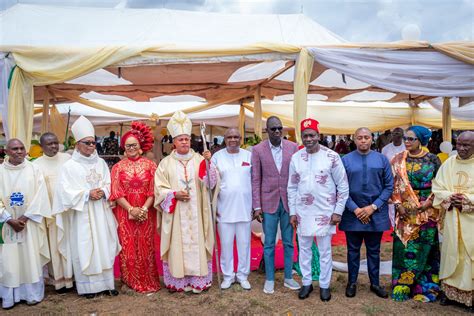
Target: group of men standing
point(56, 210)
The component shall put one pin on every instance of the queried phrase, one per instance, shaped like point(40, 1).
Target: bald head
point(232, 139)
point(16, 151)
point(362, 129)
point(465, 145)
point(363, 140)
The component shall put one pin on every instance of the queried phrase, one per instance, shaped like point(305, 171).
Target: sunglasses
point(409, 139)
point(130, 146)
point(274, 129)
point(87, 143)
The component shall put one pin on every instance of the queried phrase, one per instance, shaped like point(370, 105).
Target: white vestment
point(23, 255)
point(317, 189)
point(87, 230)
point(234, 210)
point(50, 167)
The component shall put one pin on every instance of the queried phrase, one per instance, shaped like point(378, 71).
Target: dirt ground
point(236, 301)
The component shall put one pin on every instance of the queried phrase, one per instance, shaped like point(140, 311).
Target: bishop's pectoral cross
point(186, 185)
point(94, 179)
point(463, 179)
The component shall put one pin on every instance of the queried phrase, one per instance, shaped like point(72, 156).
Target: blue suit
point(370, 182)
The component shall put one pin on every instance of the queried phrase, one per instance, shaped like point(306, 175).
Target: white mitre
point(179, 124)
point(82, 128)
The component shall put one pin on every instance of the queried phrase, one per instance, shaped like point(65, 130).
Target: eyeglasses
point(274, 129)
point(130, 146)
point(87, 143)
point(409, 139)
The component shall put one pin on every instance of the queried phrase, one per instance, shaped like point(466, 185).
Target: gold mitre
point(82, 128)
point(179, 124)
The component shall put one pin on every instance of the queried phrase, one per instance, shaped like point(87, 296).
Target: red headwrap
point(142, 133)
point(309, 123)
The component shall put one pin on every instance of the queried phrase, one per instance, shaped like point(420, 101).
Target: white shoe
point(188, 289)
point(291, 284)
point(196, 291)
point(226, 284)
point(245, 284)
point(269, 286)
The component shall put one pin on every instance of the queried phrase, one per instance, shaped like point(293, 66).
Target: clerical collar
point(92, 159)
point(465, 161)
point(50, 158)
point(187, 156)
point(8, 165)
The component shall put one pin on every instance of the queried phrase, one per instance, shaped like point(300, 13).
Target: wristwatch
point(374, 207)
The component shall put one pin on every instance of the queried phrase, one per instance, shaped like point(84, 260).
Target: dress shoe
point(379, 291)
point(351, 289)
point(325, 294)
point(269, 287)
point(32, 303)
point(90, 295)
point(305, 291)
point(291, 284)
point(443, 300)
point(111, 292)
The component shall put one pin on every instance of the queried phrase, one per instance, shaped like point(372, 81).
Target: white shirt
point(317, 188)
point(391, 150)
point(277, 153)
point(234, 202)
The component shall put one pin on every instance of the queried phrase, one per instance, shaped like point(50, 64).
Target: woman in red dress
point(132, 189)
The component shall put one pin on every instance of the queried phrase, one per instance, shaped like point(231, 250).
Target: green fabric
point(415, 268)
point(315, 268)
point(1, 234)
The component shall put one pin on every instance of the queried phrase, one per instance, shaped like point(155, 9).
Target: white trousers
point(241, 232)
point(27, 292)
point(325, 259)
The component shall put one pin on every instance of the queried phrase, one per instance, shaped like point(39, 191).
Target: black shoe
point(444, 301)
point(351, 289)
point(325, 295)
point(379, 291)
point(111, 292)
point(90, 295)
point(305, 291)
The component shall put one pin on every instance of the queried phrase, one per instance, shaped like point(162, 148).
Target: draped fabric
point(416, 255)
point(133, 180)
point(428, 73)
point(6, 65)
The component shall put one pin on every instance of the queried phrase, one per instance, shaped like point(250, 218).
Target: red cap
point(309, 123)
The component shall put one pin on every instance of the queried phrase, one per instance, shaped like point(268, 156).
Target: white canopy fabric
point(37, 25)
point(415, 72)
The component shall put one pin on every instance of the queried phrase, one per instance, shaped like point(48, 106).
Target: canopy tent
point(222, 58)
point(333, 117)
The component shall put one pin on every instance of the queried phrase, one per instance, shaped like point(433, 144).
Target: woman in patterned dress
point(416, 256)
point(132, 188)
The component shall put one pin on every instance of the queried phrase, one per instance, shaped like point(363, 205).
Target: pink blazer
point(269, 185)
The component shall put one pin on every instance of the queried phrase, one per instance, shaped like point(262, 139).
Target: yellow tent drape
point(47, 65)
point(257, 104)
point(58, 126)
point(304, 67)
point(446, 118)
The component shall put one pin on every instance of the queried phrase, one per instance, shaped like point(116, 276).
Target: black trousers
point(372, 242)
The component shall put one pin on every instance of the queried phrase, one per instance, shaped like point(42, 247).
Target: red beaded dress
point(133, 180)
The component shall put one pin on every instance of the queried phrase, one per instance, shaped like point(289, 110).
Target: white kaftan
point(317, 189)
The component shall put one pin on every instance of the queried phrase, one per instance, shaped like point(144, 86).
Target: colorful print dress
point(416, 256)
point(134, 180)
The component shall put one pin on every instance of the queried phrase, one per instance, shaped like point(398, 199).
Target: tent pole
point(242, 122)
point(257, 118)
point(446, 119)
point(45, 117)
